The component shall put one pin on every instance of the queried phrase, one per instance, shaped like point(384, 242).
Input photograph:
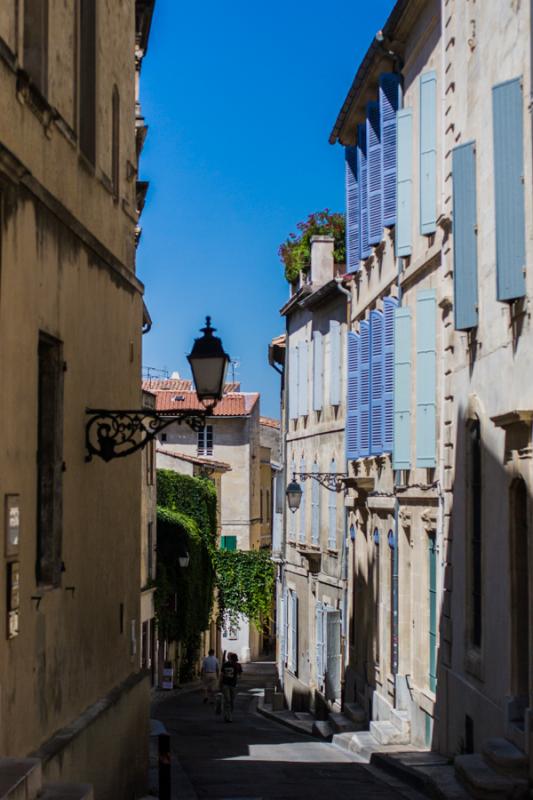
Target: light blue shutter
point(362, 171)
point(508, 131)
point(404, 223)
point(285, 611)
point(315, 506)
point(335, 363)
point(389, 103)
point(426, 391)
point(353, 246)
point(294, 632)
point(292, 514)
point(332, 513)
point(375, 203)
point(428, 152)
point(376, 382)
point(464, 236)
point(293, 382)
point(364, 389)
point(389, 306)
point(302, 504)
point(319, 615)
point(318, 371)
point(352, 399)
point(401, 454)
point(303, 383)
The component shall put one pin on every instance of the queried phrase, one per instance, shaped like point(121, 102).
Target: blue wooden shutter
point(389, 103)
point(362, 171)
point(353, 246)
point(428, 152)
point(302, 504)
point(318, 371)
point(303, 382)
point(335, 362)
point(315, 506)
point(285, 624)
point(426, 391)
point(294, 632)
point(375, 203)
point(293, 382)
point(401, 454)
point(352, 399)
point(389, 306)
point(404, 222)
point(364, 389)
point(464, 236)
point(508, 132)
point(332, 513)
point(376, 382)
point(319, 615)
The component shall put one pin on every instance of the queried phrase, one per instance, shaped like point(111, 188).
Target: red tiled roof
point(204, 462)
point(233, 404)
point(178, 385)
point(271, 423)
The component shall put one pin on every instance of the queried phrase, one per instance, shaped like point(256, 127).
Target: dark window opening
point(469, 734)
point(87, 79)
point(474, 491)
point(150, 553)
point(49, 461)
point(36, 43)
point(115, 143)
point(520, 651)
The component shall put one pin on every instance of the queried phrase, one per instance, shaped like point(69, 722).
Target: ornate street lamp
point(114, 433)
point(332, 481)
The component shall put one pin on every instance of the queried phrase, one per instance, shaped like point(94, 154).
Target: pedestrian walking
point(229, 675)
point(210, 673)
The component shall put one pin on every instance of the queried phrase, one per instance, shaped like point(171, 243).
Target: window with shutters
point(508, 127)
point(404, 188)
point(428, 153)
point(35, 43)
point(292, 514)
point(320, 613)
point(389, 103)
point(364, 389)
point(375, 198)
point(332, 512)
point(205, 441)
point(315, 505)
point(352, 399)
point(49, 461)
point(301, 511)
point(389, 306)
point(362, 171)
point(376, 382)
point(335, 362)
point(465, 236)
point(294, 379)
point(303, 379)
point(401, 454)
point(293, 632)
point(318, 371)
point(353, 247)
point(87, 79)
point(426, 393)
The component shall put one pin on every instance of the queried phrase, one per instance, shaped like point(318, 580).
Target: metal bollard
point(164, 766)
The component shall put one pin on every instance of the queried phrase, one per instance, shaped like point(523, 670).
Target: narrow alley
point(254, 758)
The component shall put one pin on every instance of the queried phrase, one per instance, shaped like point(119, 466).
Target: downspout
point(344, 559)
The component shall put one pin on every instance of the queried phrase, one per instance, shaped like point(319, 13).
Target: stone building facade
point(312, 557)
point(71, 316)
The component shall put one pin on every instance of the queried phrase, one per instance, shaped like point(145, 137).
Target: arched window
point(474, 479)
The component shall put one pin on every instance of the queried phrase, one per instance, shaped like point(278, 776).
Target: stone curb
point(288, 723)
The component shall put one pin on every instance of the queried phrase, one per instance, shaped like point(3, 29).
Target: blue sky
point(240, 98)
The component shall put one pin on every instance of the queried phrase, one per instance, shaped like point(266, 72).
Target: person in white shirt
point(210, 672)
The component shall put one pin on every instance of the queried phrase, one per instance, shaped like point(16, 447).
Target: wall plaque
point(12, 524)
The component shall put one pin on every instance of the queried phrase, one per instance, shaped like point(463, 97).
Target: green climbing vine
point(245, 580)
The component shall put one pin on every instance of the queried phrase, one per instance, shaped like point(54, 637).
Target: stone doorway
point(519, 563)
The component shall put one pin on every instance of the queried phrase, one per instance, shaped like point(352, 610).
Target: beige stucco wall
point(67, 260)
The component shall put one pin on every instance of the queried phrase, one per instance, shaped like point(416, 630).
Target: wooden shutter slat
point(374, 191)
point(428, 152)
point(353, 247)
point(402, 389)
point(364, 389)
point(389, 306)
point(464, 236)
point(404, 220)
point(389, 103)
point(426, 420)
point(352, 397)
point(376, 382)
point(362, 171)
point(335, 362)
point(318, 371)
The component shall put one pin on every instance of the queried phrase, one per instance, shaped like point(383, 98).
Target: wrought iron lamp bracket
point(332, 481)
point(117, 433)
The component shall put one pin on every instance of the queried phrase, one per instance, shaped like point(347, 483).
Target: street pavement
point(253, 758)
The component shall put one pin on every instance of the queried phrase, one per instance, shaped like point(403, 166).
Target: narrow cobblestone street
point(254, 758)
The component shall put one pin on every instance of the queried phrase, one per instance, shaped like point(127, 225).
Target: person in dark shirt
point(229, 675)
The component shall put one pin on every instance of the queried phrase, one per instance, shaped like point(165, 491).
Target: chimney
point(322, 267)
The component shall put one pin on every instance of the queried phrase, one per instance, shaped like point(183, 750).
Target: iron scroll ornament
point(333, 481)
point(113, 434)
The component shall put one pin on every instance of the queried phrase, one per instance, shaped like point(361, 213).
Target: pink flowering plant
point(295, 252)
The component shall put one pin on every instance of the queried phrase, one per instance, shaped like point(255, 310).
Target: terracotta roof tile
point(179, 385)
point(269, 422)
point(233, 404)
point(204, 462)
